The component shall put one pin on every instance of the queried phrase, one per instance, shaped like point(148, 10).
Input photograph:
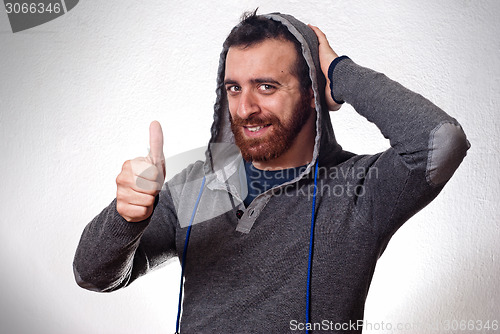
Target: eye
point(233, 89)
point(266, 88)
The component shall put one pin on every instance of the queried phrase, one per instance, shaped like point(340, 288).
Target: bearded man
point(267, 243)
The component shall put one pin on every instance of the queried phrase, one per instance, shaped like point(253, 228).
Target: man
point(294, 242)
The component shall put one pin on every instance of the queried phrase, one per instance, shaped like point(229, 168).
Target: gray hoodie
point(246, 268)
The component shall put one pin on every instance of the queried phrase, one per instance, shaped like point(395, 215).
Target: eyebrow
point(256, 80)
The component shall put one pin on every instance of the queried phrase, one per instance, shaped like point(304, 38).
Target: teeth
point(254, 129)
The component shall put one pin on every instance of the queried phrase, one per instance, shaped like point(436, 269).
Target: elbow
point(448, 146)
point(83, 283)
point(94, 279)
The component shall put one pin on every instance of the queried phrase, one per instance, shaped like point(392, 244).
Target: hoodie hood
point(222, 149)
point(223, 167)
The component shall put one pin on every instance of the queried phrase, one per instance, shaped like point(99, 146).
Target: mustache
point(254, 120)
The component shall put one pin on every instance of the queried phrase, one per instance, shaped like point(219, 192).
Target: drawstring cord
point(309, 266)
point(311, 246)
point(184, 253)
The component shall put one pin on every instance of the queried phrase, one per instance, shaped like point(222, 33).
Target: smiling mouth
point(256, 128)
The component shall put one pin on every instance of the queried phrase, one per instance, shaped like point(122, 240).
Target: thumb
point(156, 142)
point(156, 148)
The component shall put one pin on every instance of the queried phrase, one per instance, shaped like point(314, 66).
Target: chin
point(260, 155)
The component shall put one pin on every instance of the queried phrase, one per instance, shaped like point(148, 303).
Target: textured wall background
point(77, 95)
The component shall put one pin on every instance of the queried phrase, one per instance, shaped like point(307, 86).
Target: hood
point(222, 149)
point(223, 167)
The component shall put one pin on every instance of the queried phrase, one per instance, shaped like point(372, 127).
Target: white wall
point(77, 95)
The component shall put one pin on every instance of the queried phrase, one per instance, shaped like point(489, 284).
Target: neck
point(299, 154)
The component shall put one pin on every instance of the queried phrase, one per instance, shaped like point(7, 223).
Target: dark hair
point(254, 29)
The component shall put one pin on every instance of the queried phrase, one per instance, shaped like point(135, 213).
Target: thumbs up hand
point(141, 179)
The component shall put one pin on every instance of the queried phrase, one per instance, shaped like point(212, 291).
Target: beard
point(279, 138)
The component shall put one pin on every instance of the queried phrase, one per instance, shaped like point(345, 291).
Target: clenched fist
point(141, 179)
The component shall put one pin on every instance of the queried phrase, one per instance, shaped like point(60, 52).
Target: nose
point(247, 104)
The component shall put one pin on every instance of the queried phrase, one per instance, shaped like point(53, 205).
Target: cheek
point(276, 104)
point(232, 105)
point(281, 106)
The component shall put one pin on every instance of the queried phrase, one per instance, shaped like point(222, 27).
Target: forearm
point(105, 255)
point(420, 132)
point(114, 252)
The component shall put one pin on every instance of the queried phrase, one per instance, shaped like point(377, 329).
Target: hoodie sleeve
point(427, 145)
point(113, 252)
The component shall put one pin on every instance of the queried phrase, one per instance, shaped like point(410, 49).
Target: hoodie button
point(239, 214)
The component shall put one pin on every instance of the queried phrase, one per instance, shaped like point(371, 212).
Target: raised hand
point(326, 56)
point(141, 179)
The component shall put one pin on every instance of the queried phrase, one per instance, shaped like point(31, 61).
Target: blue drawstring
point(309, 266)
point(311, 244)
point(179, 307)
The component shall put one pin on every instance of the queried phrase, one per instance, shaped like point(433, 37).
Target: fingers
point(143, 170)
point(135, 198)
point(136, 188)
point(133, 213)
point(326, 56)
point(320, 34)
point(326, 53)
point(141, 176)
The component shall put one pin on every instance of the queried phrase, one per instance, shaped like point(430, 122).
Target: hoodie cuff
point(120, 228)
point(330, 74)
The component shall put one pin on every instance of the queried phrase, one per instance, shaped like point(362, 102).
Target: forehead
point(270, 57)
